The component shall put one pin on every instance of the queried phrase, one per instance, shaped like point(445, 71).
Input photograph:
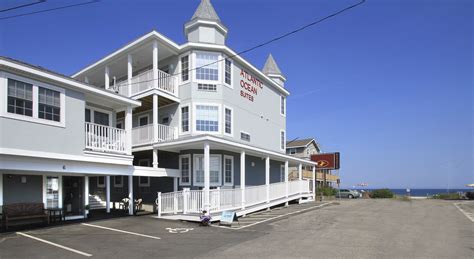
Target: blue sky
point(388, 84)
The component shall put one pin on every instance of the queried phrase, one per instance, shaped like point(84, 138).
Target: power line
point(21, 6)
point(49, 10)
point(259, 45)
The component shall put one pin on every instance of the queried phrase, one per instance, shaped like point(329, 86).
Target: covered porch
point(253, 186)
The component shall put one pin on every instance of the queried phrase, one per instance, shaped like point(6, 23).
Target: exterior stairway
point(96, 203)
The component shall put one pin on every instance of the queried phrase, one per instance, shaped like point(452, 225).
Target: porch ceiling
point(217, 143)
point(147, 104)
point(142, 56)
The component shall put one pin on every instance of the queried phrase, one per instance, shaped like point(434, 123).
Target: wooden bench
point(24, 211)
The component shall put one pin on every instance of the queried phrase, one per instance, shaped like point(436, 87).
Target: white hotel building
point(182, 127)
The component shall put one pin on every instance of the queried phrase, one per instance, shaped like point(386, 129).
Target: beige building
point(304, 148)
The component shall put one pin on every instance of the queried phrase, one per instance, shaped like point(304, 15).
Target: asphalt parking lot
point(352, 228)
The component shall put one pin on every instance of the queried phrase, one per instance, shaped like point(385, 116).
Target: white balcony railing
point(144, 134)
point(145, 81)
point(105, 138)
point(191, 201)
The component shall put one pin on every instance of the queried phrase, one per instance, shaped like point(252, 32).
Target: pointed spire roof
point(206, 11)
point(271, 67)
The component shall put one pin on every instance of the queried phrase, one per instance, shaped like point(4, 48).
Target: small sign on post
point(228, 217)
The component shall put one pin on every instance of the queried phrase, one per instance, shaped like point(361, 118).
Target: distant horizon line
point(434, 188)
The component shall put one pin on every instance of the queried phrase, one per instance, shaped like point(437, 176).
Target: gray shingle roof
point(298, 142)
point(271, 67)
point(206, 11)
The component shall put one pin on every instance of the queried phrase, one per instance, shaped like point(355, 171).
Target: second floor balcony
point(145, 81)
point(105, 138)
point(144, 134)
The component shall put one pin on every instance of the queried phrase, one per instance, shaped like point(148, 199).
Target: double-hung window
point(228, 72)
point(228, 120)
point(282, 140)
point(207, 66)
point(144, 181)
point(33, 101)
point(282, 173)
point(185, 68)
point(185, 168)
point(49, 104)
point(118, 181)
point(282, 105)
point(185, 119)
point(245, 136)
point(228, 170)
point(207, 118)
point(101, 181)
point(20, 98)
point(214, 168)
point(97, 117)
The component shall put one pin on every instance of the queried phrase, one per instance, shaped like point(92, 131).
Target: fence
point(191, 201)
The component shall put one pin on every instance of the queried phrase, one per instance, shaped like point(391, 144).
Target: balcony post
point(314, 182)
point(107, 193)
point(129, 74)
point(107, 77)
point(155, 64)
point(131, 202)
point(242, 178)
point(286, 182)
point(267, 177)
point(128, 129)
point(207, 157)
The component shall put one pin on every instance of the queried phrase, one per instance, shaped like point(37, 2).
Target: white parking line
point(54, 244)
point(279, 216)
point(468, 215)
point(121, 231)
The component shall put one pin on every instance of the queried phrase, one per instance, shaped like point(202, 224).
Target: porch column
point(300, 172)
point(242, 178)
point(86, 191)
point(1, 189)
point(130, 195)
point(155, 64)
point(155, 129)
point(175, 184)
point(107, 77)
point(267, 177)
point(107, 193)
point(128, 129)
point(314, 182)
point(129, 73)
point(286, 181)
point(300, 178)
point(44, 190)
point(60, 192)
point(206, 176)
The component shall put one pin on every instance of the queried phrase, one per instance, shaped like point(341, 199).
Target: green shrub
point(381, 193)
point(326, 191)
point(447, 196)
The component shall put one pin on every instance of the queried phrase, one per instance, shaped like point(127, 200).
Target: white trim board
point(274, 155)
point(70, 82)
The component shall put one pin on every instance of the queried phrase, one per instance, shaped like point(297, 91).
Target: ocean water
point(425, 192)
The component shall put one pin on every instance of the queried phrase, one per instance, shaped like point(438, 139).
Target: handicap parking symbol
point(179, 230)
